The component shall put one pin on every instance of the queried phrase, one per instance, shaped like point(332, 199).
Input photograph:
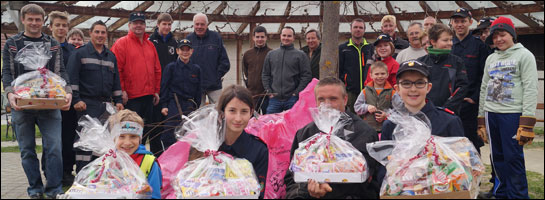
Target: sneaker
point(37, 196)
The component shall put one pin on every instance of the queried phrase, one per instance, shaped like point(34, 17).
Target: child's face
point(502, 40)
point(237, 115)
point(444, 41)
point(379, 75)
point(383, 49)
point(127, 143)
point(413, 87)
point(185, 52)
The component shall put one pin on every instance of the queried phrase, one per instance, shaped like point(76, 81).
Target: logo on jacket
point(171, 50)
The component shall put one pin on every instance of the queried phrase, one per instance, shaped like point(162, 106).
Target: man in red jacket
point(139, 72)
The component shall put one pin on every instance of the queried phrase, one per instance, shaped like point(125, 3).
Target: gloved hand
point(481, 129)
point(525, 132)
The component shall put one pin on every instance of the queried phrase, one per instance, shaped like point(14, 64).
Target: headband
point(128, 127)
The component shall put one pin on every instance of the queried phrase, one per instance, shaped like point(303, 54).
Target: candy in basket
point(112, 175)
point(418, 163)
point(325, 157)
point(39, 88)
point(217, 174)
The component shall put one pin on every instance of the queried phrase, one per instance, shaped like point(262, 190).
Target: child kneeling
point(129, 141)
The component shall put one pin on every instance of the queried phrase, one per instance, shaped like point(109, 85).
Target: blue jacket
point(94, 74)
point(443, 123)
point(67, 50)
point(155, 177)
point(183, 79)
point(474, 53)
point(255, 151)
point(210, 54)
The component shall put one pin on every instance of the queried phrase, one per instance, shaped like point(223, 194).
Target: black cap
point(484, 23)
point(135, 16)
point(184, 42)
point(413, 65)
point(383, 37)
point(461, 12)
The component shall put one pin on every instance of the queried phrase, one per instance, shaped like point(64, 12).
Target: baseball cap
point(461, 12)
point(184, 42)
point(412, 65)
point(382, 37)
point(135, 16)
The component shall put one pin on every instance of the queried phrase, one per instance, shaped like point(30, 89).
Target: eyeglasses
point(417, 84)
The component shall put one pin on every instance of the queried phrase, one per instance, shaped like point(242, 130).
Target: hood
point(142, 150)
point(508, 52)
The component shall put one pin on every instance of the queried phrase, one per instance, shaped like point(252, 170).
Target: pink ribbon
point(110, 153)
point(426, 150)
point(213, 153)
point(43, 72)
point(328, 137)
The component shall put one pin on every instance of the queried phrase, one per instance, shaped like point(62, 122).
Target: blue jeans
point(49, 123)
point(277, 106)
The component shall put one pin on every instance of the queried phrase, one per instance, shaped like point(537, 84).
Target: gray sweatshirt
point(286, 72)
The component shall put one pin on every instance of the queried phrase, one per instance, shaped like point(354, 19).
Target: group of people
point(467, 84)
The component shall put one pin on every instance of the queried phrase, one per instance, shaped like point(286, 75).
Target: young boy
point(130, 134)
point(376, 97)
point(183, 79)
point(507, 106)
point(413, 84)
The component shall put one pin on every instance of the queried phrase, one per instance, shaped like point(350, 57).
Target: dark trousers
point(69, 125)
point(95, 109)
point(144, 107)
point(468, 115)
point(507, 155)
point(278, 106)
point(261, 104)
point(169, 136)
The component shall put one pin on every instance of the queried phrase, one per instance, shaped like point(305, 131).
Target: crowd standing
point(461, 80)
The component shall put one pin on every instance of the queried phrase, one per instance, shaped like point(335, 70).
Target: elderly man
point(286, 72)
point(331, 91)
point(415, 49)
point(139, 73)
point(313, 51)
point(210, 54)
point(429, 21)
point(388, 26)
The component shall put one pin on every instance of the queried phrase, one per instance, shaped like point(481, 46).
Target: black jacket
point(314, 61)
point(399, 44)
point(165, 47)
point(352, 66)
point(474, 53)
point(210, 54)
point(362, 135)
point(185, 81)
point(449, 80)
point(443, 123)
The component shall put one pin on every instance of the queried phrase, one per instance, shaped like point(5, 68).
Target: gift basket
point(217, 174)
point(40, 88)
point(325, 157)
point(112, 175)
point(418, 163)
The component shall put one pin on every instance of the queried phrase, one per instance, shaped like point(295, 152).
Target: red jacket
point(393, 66)
point(139, 66)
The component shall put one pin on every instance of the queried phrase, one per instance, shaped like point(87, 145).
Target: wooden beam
point(182, 7)
point(286, 15)
point(239, 60)
point(251, 35)
point(218, 11)
point(82, 18)
point(355, 5)
point(121, 13)
point(253, 12)
point(398, 24)
point(67, 3)
point(523, 18)
point(120, 22)
point(427, 9)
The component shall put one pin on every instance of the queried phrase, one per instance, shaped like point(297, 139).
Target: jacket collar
point(351, 43)
point(142, 150)
point(428, 108)
point(92, 49)
point(259, 48)
point(158, 36)
point(387, 85)
point(240, 145)
point(286, 47)
point(133, 37)
point(464, 42)
point(180, 62)
point(206, 33)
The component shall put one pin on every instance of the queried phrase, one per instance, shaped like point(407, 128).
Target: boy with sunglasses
point(413, 84)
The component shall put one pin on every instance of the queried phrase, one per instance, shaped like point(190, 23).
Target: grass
point(11, 149)
point(538, 130)
point(10, 137)
point(535, 183)
point(534, 145)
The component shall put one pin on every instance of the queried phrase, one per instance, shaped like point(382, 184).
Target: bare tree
point(329, 58)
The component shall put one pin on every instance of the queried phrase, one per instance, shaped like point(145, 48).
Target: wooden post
point(251, 35)
point(330, 40)
point(239, 59)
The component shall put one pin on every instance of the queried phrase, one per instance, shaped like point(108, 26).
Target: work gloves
point(525, 132)
point(481, 129)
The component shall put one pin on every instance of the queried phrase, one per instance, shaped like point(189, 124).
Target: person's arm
point(529, 80)
point(157, 72)
point(460, 87)
point(341, 64)
point(165, 89)
point(223, 60)
point(483, 53)
point(266, 73)
point(74, 71)
point(360, 105)
point(454, 127)
point(262, 164)
point(116, 89)
point(293, 189)
point(245, 69)
point(198, 95)
point(7, 76)
point(155, 180)
point(119, 51)
point(305, 73)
